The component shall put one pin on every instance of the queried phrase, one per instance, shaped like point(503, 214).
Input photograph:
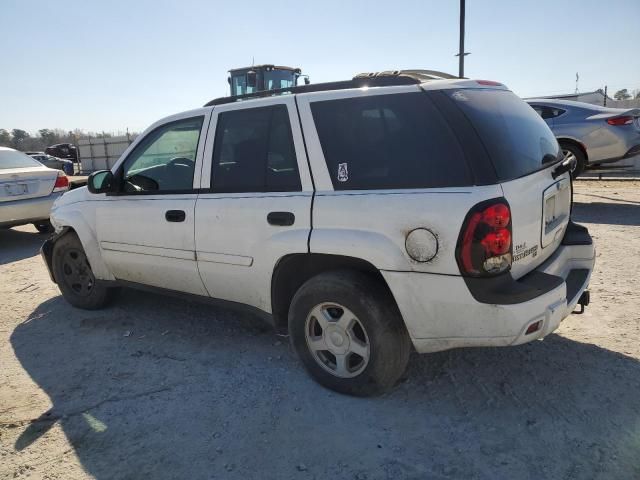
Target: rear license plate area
point(556, 207)
point(16, 189)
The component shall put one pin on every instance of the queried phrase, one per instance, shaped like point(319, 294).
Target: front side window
point(388, 142)
point(254, 152)
point(165, 159)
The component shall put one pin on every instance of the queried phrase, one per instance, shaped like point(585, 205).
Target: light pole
point(461, 54)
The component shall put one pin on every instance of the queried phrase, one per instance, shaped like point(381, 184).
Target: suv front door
point(258, 202)
point(146, 228)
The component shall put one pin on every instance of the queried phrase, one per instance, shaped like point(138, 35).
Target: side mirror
point(101, 181)
point(252, 79)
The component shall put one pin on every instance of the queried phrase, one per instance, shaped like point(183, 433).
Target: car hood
point(76, 195)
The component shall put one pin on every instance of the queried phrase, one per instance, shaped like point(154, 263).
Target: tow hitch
point(583, 301)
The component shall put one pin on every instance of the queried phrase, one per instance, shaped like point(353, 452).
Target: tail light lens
point(623, 120)
point(62, 183)
point(484, 245)
point(490, 83)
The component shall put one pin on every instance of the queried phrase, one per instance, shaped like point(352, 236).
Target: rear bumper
point(441, 313)
point(633, 151)
point(22, 212)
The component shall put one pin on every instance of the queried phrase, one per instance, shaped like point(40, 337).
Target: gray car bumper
point(22, 212)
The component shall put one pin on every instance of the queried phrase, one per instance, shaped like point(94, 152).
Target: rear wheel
point(349, 334)
point(571, 152)
point(74, 276)
point(44, 226)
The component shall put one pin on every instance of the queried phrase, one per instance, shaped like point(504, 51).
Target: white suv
point(365, 216)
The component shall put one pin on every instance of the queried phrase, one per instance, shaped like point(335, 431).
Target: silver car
point(27, 190)
point(590, 133)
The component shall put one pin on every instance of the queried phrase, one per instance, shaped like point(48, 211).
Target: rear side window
point(15, 159)
point(547, 112)
point(388, 142)
point(254, 152)
point(518, 140)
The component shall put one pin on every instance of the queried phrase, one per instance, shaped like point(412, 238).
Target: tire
point(320, 310)
point(581, 161)
point(44, 226)
point(75, 279)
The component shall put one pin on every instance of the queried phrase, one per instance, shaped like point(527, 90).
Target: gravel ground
point(156, 387)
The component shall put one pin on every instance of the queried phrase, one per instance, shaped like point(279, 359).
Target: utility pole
point(461, 54)
point(605, 96)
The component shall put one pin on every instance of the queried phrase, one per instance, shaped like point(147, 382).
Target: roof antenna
point(577, 78)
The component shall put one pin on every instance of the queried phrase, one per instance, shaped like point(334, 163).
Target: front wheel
point(74, 276)
point(349, 334)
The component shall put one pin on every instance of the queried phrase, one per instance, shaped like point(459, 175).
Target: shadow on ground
point(157, 387)
point(607, 213)
point(17, 245)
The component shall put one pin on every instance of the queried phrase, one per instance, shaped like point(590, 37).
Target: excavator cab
point(263, 77)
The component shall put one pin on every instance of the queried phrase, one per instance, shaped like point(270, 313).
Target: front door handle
point(175, 216)
point(283, 219)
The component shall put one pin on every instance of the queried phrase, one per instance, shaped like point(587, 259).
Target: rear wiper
point(566, 166)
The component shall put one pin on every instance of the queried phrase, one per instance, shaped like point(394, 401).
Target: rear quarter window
point(394, 141)
point(518, 140)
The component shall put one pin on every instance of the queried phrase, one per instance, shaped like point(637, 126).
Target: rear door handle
point(175, 216)
point(283, 219)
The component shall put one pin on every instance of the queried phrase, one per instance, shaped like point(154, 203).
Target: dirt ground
point(157, 388)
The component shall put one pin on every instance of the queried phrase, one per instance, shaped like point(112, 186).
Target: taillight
point(623, 120)
point(62, 183)
point(489, 83)
point(484, 246)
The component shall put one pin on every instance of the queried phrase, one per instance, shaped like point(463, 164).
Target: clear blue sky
point(109, 65)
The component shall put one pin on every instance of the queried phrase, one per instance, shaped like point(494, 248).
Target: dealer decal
point(343, 172)
point(520, 251)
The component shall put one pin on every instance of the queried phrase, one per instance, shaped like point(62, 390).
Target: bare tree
point(5, 138)
point(19, 137)
point(622, 94)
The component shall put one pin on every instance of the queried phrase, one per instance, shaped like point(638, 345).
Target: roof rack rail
point(372, 79)
point(422, 75)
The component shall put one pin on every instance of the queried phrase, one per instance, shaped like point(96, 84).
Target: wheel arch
point(575, 143)
point(292, 271)
point(73, 221)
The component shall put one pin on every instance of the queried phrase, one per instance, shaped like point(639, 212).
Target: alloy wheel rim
point(337, 340)
point(568, 155)
point(77, 272)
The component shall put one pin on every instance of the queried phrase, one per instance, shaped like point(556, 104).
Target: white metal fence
point(101, 153)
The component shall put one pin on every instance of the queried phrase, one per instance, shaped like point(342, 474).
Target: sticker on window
point(459, 95)
point(343, 172)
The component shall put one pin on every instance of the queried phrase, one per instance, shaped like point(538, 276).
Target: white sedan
point(27, 190)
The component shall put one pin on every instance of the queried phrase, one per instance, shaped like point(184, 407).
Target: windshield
point(278, 79)
point(239, 85)
point(15, 159)
point(518, 140)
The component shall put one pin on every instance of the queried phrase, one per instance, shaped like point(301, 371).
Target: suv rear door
point(255, 202)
